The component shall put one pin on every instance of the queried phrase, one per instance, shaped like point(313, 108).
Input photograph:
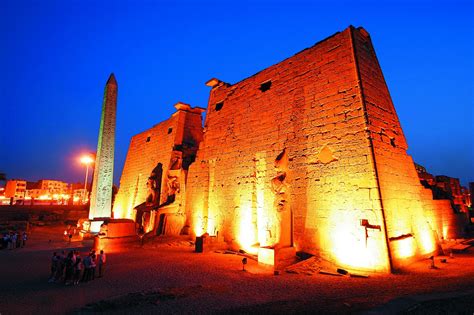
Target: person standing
point(93, 264)
point(5, 241)
point(87, 268)
point(8, 240)
point(69, 269)
point(61, 265)
point(18, 240)
point(101, 261)
point(24, 238)
point(54, 267)
point(14, 238)
point(74, 256)
point(77, 270)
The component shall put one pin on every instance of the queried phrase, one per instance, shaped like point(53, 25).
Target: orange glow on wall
point(428, 243)
point(212, 225)
point(255, 223)
point(445, 231)
point(118, 209)
point(405, 248)
point(121, 211)
point(263, 202)
point(199, 225)
point(351, 246)
point(246, 231)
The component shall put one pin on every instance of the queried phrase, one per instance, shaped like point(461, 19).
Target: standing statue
point(173, 185)
point(281, 204)
point(279, 188)
point(176, 160)
point(151, 186)
point(173, 175)
point(154, 186)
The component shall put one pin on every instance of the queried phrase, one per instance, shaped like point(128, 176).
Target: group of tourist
point(72, 268)
point(14, 239)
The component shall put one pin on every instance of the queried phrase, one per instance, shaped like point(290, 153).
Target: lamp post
point(87, 160)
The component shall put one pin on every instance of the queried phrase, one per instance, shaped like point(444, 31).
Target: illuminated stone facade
point(305, 155)
point(450, 215)
point(458, 194)
point(445, 187)
point(155, 169)
point(351, 194)
point(101, 195)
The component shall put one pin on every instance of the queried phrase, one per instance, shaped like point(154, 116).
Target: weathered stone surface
point(159, 157)
point(328, 108)
point(307, 154)
point(101, 194)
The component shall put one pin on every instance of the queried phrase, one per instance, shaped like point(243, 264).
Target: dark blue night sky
point(56, 56)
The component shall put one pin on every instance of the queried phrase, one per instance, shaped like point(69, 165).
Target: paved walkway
point(171, 278)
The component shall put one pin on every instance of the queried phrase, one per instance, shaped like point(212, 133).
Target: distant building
point(34, 193)
point(79, 194)
point(3, 200)
point(53, 187)
point(15, 188)
point(45, 190)
point(32, 190)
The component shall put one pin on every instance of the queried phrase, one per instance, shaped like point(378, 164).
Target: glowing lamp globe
point(86, 159)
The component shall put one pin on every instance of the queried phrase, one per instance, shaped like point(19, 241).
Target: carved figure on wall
point(176, 160)
point(151, 186)
point(173, 175)
point(279, 188)
point(173, 185)
point(154, 186)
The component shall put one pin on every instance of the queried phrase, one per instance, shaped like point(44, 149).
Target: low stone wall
point(43, 213)
point(111, 245)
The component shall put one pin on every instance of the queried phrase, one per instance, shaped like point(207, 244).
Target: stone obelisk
point(101, 196)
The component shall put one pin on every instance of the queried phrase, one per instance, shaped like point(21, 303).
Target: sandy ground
point(170, 278)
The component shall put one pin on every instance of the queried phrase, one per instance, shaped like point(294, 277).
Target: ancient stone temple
point(101, 195)
point(155, 172)
point(306, 155)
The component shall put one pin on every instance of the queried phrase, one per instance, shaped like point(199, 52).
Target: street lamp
point(87, 160)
